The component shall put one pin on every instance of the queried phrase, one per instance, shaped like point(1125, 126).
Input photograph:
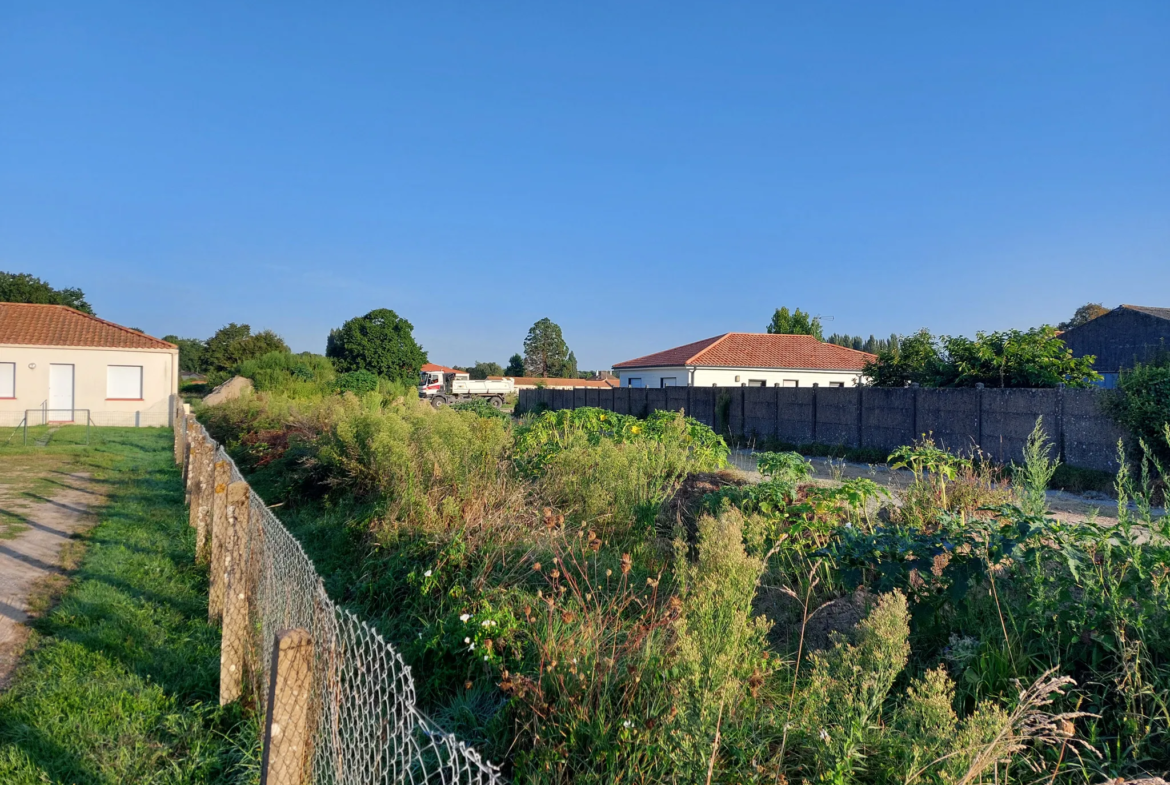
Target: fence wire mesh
point(352, 687)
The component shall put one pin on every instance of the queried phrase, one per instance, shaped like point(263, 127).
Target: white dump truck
point(449, 386)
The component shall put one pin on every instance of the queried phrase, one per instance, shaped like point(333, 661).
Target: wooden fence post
point(234, 640)
point(286, 729)
point(218, 525)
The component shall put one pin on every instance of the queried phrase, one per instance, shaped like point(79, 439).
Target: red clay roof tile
point(33, 324)
point(757, 350)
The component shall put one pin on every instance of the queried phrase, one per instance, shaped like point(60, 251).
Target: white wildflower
point(465, 618)
point(427, 574)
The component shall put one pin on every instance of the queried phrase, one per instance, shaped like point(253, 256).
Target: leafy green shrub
point(356, 382)
point(789, 467)
point(1141, 404)
point(481, 408)
point(425, 463)
point(542, 435)
point(293, 374)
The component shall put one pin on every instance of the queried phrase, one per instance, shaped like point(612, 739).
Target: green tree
point(873, 345)
point(190, 353)
point(235, 343)
point(795, 323)
point(571, 367)
point(515, 366)
point(1018, 358)
point(1083, 315)
point(482, 370)
point(545, 351)
point(381, 342)
point(25, 288)
point(1012, 358)
point(916, 358)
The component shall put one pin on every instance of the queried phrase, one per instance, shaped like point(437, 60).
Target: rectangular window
point(757, 383)
point(792, 382)
point(668, 381)
point(634, 381)
point(836, 384)
point(124, 382)
point(7, 380)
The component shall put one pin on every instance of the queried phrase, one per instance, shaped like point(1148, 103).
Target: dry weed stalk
point(1030, 723)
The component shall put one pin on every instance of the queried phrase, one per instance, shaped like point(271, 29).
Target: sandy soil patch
point(42, 509)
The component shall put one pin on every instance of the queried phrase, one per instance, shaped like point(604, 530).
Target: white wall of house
point(736, 377)
point(652, 377)
point(118, 386)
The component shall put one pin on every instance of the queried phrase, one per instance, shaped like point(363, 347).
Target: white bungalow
point(748, 360)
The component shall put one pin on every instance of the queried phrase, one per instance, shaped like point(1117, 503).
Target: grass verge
point(120, 680)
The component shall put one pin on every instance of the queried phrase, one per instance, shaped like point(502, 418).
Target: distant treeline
point(871, 344)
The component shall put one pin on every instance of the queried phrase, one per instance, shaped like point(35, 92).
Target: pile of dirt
point(684, 508)
point(786, 613)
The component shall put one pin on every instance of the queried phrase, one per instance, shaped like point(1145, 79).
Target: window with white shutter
point(124, 382)
point(7, 380)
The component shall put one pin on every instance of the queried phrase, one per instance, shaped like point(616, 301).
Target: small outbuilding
point(1122, 338)
point(748, 360)
point(61, 365)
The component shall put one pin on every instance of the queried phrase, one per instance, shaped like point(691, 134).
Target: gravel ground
point(1064, 505)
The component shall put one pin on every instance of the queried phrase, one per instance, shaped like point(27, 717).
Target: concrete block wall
point(838, 416)
point(951, 417)
point(996, 421)
point(1090, 439)
point(1009, 417)
point(797, 415)
point(887, 418)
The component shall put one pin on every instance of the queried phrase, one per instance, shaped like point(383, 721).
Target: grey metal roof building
point(1127, 335)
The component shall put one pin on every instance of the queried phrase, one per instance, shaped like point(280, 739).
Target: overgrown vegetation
point(1141, 404)
point(1012, 358)
point(120, 679)
point(591, 597)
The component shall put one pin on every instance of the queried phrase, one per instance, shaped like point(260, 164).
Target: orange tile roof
point(33, 324)
point(757, 350)
point(432, 368)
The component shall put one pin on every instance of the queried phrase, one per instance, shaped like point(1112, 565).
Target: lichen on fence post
point(188, 446)
point(233, 642)
point(286, 728)
point(218, 527)
point(204, 499)
point(194, 478)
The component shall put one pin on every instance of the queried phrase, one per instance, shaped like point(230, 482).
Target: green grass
point(120, 680)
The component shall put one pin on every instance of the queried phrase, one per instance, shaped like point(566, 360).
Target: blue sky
point(645, 174)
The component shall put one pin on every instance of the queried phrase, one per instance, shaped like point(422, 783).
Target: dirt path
point(1064, 505)
point(41, 510)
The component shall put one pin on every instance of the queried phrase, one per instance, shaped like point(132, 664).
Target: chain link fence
point(338, 701)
